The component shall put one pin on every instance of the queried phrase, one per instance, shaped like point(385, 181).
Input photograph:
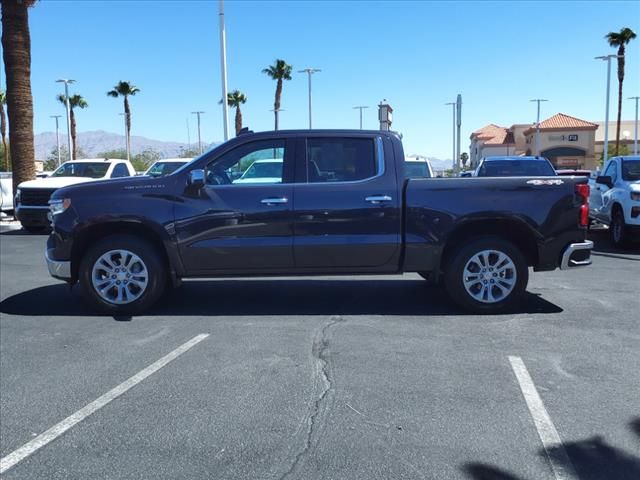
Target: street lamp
point(453, 154)
point(66, 94)
point(57, 137)
point(223, 63)
point(635, 136)
point(199, 141)
point(309, 72)
point(360, 107)
point(607, 58)
point(538, 100)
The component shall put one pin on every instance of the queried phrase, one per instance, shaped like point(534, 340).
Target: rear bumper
point(60, 269)
point(576, 255)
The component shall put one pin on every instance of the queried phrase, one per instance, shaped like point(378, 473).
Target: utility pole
point(57, 138)
point(538, 100)
point(607, 58)
point(360, 107)
point(309, 72)
point(453, 134)
point(188, 135)
point(66, 94)
point(635, 136)
point(199, 141)
point(223, 62)
point(458, 123)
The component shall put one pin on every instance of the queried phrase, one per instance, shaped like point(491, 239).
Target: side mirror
point(196, 178)
point(605, 180)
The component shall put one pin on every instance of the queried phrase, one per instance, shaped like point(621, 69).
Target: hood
point(55, 182)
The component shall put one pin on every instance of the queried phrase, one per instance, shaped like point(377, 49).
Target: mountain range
point(94, 142)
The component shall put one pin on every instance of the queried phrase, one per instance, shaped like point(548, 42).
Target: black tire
point(454, 276)
point(618, 230)
point(152, 260)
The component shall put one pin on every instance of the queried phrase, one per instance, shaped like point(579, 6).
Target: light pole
point(453, 153)
point(223, 62)
point(538, 100)
point(309, 72)
point(199, 141)
point(607, 58)
point(635, 136)
point(360, 107)
point(57, 137)
point(66, 95)
point(458, 124)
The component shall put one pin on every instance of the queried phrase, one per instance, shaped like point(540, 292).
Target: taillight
point(582, 190)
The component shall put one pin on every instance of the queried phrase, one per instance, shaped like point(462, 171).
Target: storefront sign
point(564, 138)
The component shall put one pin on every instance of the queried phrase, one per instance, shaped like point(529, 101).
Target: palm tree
point(75, 101)
point(620, 39)
point(235, 99)
point(126, 90)
point(4, 165)
point(16, 47)
point(278, 71)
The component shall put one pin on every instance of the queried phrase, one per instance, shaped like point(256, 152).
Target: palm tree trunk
point(127, 114)
point(238, 120)
point(276, 104)
point(3, 133)
point(16, 48)
point(74, 144)
point(620, 81)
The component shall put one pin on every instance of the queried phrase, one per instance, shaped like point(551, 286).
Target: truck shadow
point(593, 459)
point(602, 246)
point(274, 297)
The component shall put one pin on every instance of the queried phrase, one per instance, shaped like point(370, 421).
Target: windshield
point(416, 169)
point(160, 169)
point(631, 170)
point(516, 168)
point(264, 170)
point(91, 170)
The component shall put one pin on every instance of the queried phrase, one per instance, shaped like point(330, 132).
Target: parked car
point(167, 166)
point(340, 204)
point(32, 197)
point(615, 199)
point(6, 192)
point(262, 171)
point(418, 169)
point(466, 174)
point(514, 167)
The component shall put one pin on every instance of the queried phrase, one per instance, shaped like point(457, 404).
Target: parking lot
point(341, 378)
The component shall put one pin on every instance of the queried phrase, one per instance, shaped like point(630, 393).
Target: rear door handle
point(274, 201)
point(378, 198)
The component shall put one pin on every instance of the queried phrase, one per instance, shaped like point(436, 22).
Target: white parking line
point(557, 455)
point(54, 432)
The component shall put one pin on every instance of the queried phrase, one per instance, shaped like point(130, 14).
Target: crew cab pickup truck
point(615, 199)
point(32, 197)
point(341, 205)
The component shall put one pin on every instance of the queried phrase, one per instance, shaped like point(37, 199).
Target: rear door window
point(340, 159)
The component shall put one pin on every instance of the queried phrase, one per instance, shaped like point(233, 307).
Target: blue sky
point(418, 55)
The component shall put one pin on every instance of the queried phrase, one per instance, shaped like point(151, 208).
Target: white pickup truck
point(32, 197)
point(615, 199)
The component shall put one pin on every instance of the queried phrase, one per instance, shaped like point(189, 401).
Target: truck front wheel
point(122, 274)
point(487, 275)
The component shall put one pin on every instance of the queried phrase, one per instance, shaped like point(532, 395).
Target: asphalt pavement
point(321, 378)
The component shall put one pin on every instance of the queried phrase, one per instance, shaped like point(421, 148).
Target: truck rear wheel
point(487, 275)
point(122, 274)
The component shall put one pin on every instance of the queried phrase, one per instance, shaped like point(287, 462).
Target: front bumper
point(57, 268)
point(576, 255)
point(33, 216)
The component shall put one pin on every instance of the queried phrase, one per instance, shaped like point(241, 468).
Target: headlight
point(635, 196)
point(59, 205)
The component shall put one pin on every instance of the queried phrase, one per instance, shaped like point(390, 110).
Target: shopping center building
point(568, 142)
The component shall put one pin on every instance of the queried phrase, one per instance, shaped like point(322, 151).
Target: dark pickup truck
point(314, 203)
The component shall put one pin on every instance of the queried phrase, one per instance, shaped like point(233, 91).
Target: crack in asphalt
point(319, 349)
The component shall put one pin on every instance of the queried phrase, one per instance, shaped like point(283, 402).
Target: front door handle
point(378, 198)
point(274, 201)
